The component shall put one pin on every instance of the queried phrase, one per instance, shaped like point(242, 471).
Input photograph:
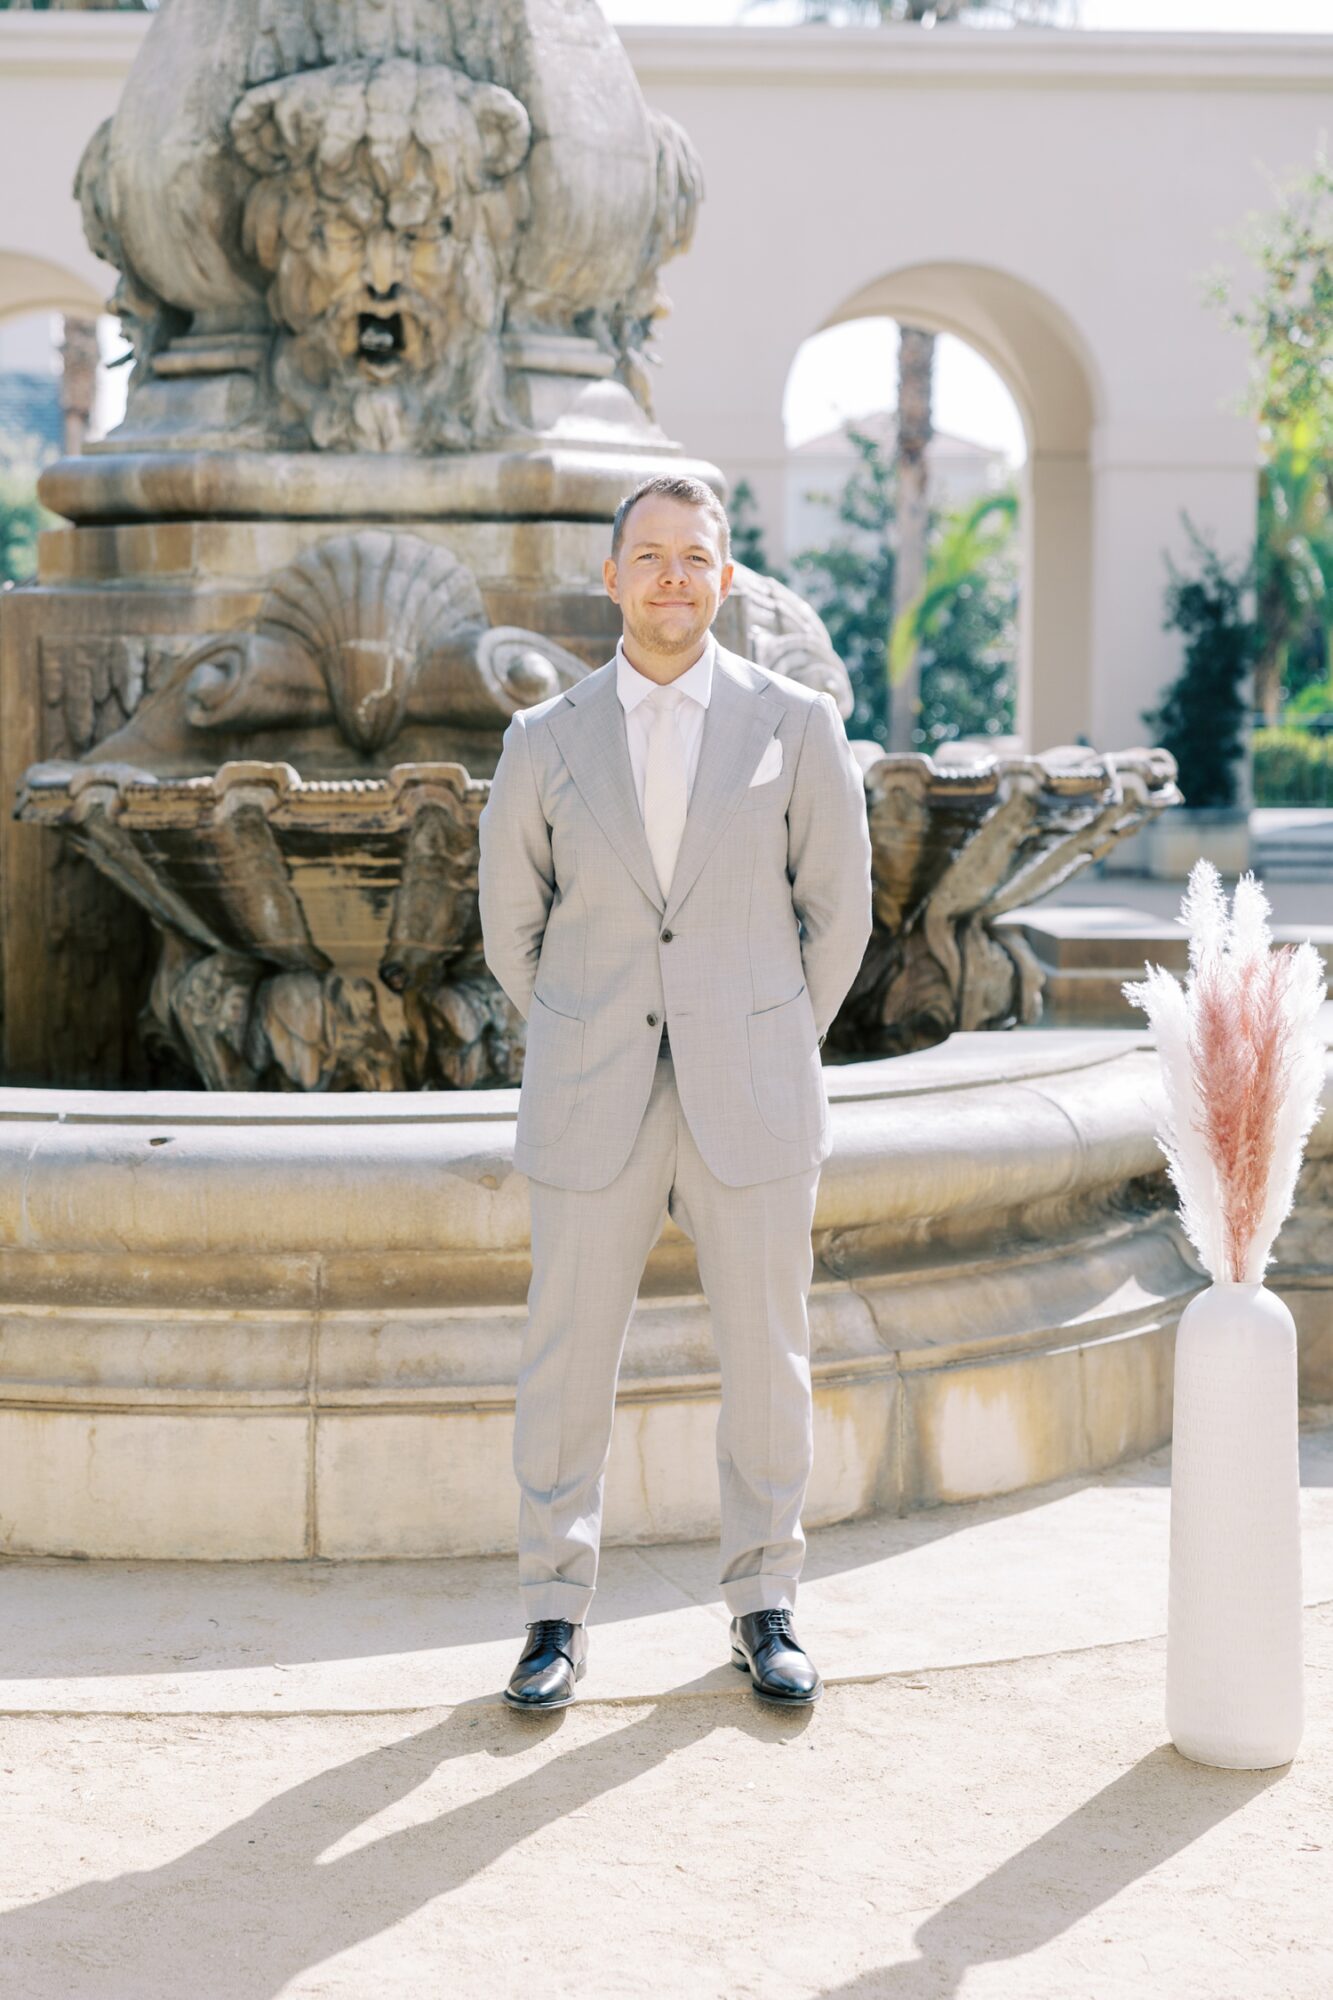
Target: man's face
point(669, 578)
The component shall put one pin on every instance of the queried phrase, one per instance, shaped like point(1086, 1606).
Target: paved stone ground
point(230, 1782)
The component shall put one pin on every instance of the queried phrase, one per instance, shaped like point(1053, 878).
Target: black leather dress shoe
point(764, 1646)
point(554, 1657)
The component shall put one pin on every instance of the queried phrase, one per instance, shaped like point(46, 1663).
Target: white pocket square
point(770, 764)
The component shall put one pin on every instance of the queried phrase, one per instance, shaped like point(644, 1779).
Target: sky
point(849, 370)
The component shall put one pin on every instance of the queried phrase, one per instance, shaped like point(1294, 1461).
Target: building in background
point(958, 470)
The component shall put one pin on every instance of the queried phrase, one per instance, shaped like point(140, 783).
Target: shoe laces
point(549, 1628)
point(775, 1620)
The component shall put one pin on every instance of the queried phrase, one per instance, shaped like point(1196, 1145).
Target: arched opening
point(1041, 371)
point(32, 284)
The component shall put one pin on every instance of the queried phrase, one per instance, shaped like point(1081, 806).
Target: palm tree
point(916, 352)
point(1294, 564)
point(969, 538)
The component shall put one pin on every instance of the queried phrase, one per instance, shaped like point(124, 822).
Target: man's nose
point(381, 262)
point(674, 571)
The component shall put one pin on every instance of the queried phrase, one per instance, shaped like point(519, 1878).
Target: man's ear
point(725, 581)
point(609, 579)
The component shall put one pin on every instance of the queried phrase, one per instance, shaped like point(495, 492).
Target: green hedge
point(1293, 767)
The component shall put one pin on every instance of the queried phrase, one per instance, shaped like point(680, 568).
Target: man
point(675, 894)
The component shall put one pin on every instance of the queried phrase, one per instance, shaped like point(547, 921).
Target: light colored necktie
point(665, 785)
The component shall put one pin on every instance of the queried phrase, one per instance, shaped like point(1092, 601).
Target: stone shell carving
point(348, 625)
point(361, 632)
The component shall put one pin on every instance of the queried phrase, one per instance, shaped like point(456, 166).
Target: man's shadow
point(240, 1915)
point(1151, 1812)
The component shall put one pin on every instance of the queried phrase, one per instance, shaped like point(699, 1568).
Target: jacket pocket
point(785, 1070)
point(552, 1072)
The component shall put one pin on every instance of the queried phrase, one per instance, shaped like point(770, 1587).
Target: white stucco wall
point(1052, 198)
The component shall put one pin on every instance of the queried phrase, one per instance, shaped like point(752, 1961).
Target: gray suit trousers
point(589, 1247)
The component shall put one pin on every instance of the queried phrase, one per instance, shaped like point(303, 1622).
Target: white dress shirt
point(634, 689)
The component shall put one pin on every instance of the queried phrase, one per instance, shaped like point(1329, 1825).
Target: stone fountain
point(391, 290)
point(390, 271)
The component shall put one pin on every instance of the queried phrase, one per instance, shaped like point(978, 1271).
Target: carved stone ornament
point(361, 635)
point(342, 224)
point(955, 848)
point(191, 808)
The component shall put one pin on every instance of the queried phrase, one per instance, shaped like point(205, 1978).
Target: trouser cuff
point(555, 1600)
point(759, 1593)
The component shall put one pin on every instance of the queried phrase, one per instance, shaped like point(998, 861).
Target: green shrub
point(1292, 767)
point(21, 516)
point(1201, 717)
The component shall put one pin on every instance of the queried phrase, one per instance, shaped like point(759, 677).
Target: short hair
point(674, 486)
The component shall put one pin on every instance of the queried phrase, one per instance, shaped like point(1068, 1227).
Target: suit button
point(667, 936)
point(652, 1020)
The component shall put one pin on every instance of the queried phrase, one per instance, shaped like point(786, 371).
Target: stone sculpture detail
point(953, 850)
point(347, 629)
point(397, 195)
point(358, 636)
point(386, 203)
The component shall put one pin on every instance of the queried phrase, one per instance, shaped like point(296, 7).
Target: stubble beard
point(667, 637)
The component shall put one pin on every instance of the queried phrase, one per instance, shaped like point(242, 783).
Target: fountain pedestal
point(239, 1327)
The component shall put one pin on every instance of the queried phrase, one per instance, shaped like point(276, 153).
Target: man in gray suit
point(675, 894)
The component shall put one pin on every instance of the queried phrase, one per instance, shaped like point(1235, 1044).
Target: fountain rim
point(584, 482)
point(876, 1079)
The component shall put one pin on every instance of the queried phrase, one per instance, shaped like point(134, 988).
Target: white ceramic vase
point(1234, 1666)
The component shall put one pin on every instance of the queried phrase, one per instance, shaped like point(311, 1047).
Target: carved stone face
point(376, 296)
point(386, 205)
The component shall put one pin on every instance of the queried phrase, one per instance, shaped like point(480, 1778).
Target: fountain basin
point(240, 1327)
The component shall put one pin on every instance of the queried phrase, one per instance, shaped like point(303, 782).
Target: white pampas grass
point(1242, 1067)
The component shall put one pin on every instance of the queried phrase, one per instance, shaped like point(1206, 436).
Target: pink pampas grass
point(1242, 1064)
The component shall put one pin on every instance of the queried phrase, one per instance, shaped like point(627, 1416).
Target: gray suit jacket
point(748, 960)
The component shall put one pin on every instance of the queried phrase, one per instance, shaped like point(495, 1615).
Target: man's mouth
point(380, 338)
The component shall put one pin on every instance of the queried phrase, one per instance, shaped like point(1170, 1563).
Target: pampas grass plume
point(1242, 1070)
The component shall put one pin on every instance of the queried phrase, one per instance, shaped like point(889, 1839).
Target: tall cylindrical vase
point(1234, 1666)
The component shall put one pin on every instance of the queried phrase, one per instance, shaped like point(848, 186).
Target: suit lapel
point(739, 721)
point(589, 729)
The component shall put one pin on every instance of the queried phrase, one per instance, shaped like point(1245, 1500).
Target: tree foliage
point(747, 530)
point(1201, 718)
point(1287, 321)
point(22, 516)
point(967, 612)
